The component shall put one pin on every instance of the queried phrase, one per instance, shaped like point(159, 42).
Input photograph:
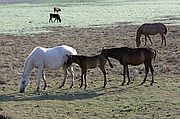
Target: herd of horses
point(64, 56)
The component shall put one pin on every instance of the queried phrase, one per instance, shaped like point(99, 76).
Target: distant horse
point(56, 9)
point(87, 62)
point(55, 16)
point(49, 58)
point(132, 56)
point(151, 29)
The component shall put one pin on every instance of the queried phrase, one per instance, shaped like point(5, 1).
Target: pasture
point(32, 16)
point(162, 100)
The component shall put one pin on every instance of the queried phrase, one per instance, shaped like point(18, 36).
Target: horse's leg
point(145, 40)
point(146, 73)
point(40, 74)
point(124, 73)
point(152, 72)
point(104, 73)
point(150, 39)
point(70, 69)
point(85, 79)
point(163, 39)
point(82, 74)
point(65, 76)
point(128, 75)
point(44, 79)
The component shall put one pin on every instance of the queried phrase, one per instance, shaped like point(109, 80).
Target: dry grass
point(159, 101)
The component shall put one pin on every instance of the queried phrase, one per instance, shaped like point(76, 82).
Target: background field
point(32, 16)
point(162, 100)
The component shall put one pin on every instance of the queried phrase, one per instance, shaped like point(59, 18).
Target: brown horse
point(56, 9)
point(151, 29)
point(87, 62)
point(132, 56)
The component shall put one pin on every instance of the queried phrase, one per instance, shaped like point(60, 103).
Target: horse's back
point(153, 28)
point(52, 57)
point(136, 56)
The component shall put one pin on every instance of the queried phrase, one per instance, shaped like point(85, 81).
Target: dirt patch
point(87, 41)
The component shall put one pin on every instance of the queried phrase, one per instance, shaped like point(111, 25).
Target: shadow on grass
point(72, 95)
point(64, 95)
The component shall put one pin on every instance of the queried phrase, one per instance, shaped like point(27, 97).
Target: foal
point(132, 56)
point(86, 62)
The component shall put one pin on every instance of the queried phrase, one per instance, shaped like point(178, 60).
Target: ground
point(162, 100)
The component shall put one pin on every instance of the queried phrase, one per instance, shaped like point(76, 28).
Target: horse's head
point(23, 83)
point(69, 61)
point(104, 51)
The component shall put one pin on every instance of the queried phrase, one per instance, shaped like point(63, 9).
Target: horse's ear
point(68, 56)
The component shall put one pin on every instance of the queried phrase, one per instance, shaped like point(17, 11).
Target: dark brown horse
point(151, 29)
point(132, 56)
point(55, 16)
point(86, 62)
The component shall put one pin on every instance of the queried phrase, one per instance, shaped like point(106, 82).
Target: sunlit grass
point(30, 18)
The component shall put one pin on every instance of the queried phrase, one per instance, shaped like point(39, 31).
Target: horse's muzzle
point(22, 91)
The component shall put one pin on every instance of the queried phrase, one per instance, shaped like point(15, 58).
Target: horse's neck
point(78, 61)
point(138, 34)
point(27, 68)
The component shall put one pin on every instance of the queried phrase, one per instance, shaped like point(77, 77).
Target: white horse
point(49, 58)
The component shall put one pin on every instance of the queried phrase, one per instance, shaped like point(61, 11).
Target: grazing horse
point(55, 16)
point(132, 56)
point(87, 62)
point(151, 29)
point(56, 9)
point(49, 58)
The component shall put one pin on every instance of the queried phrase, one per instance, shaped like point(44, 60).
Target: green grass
point(33, 17)
point(159, 101)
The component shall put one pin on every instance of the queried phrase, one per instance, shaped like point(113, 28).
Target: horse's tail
point(109, 62)
point(165, 29)
point(165, 32)
point(155, 53)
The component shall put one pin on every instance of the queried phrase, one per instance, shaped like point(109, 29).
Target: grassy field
point(89, 26)
point(32, 17)
point(142, 102)
point(162, 100)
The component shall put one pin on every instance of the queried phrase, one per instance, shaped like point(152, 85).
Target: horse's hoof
point(122, 84)
point(61, 86)
point(71, 86)
point(85, 87)
point(44, 88)
point(80, 86)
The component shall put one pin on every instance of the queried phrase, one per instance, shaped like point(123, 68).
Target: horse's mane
point(27, 60)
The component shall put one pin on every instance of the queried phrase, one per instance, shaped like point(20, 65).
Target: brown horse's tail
point(109, 62)
point(154, 51)
point(155, 54)
point(165, 32)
